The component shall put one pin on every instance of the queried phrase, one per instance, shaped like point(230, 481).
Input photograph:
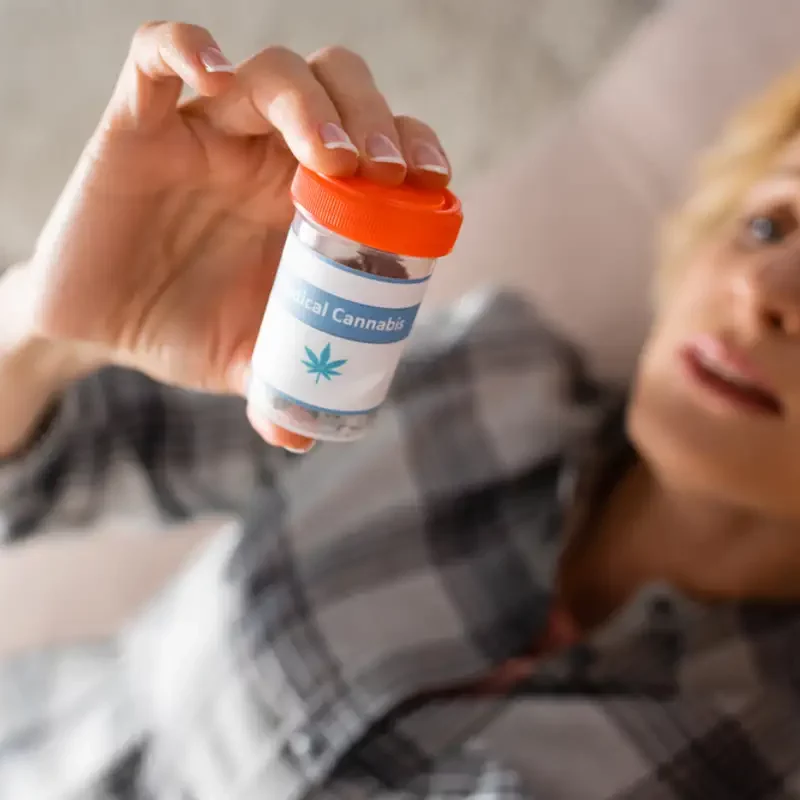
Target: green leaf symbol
point(321, 365)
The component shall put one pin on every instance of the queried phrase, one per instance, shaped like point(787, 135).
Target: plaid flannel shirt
point(298, 654)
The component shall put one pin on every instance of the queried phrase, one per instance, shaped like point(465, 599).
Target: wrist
point(24, 349)
point(37, 362)
point(34, 369)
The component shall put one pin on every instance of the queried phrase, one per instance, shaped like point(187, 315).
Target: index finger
point(277, 91)
point(163, 57)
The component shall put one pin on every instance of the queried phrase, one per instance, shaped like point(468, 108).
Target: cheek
point(694, 287)
point(693, 306)
point(695, 303)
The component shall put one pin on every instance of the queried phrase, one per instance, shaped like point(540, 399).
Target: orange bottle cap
point(400, 219)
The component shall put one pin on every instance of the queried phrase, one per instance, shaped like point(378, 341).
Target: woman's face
point(716, 404)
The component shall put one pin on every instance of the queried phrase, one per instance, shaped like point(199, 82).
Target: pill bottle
point(353, 273)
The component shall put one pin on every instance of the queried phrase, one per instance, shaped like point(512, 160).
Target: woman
point(496, 594)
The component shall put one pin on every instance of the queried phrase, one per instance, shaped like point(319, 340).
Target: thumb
point(165, 56)
point(237, 378)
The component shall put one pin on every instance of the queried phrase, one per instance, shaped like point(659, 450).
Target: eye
point(772, 228)
point(764, 230)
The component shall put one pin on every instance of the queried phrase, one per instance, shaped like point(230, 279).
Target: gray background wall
point(485, 73)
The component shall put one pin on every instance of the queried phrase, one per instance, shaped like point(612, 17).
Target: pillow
point(572, 220)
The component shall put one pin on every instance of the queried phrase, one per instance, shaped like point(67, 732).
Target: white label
point(332, 336)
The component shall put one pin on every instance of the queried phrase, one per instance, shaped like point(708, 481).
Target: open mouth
point(712, 366)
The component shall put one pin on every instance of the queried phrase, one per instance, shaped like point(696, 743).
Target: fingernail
point(335, 138)
point(299, 451)
point(382, 150)
point(430, 159)
point(214, 61)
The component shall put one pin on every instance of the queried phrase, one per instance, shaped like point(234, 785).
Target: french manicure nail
point(213, 60)
point(382, 150)
point(430, 159)
point(335, 138)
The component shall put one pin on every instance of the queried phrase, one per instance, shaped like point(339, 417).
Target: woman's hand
point(161, 253)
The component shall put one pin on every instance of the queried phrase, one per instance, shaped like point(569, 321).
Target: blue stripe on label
point(346, 319)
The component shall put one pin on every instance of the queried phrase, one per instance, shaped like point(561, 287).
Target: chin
point(722, 461)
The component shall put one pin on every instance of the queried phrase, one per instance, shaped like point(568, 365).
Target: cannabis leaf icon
point(321, 365)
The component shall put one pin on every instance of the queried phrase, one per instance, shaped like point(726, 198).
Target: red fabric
point(562, 631)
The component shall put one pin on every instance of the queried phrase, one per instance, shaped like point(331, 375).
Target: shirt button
point(308, 746)
point(661, 608)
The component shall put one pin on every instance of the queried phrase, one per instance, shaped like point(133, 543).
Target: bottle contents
point(383, 264)
point(350, 283)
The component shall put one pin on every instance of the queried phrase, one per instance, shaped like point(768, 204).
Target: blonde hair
point(748, 147)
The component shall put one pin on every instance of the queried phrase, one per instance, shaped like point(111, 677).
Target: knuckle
point(166, 31)
point(149, 29)
point(278, 54)
point(275, 59)
point(338, 56)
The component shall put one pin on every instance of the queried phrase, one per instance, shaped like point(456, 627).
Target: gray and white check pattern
point(300, 653)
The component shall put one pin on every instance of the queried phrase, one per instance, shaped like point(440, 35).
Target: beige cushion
point(572, 220)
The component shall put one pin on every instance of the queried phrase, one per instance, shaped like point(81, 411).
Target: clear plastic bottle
point(351, 279)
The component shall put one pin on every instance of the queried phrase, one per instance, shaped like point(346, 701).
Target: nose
point(768, 297)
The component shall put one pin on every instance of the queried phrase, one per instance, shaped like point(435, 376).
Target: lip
point(727, 377)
